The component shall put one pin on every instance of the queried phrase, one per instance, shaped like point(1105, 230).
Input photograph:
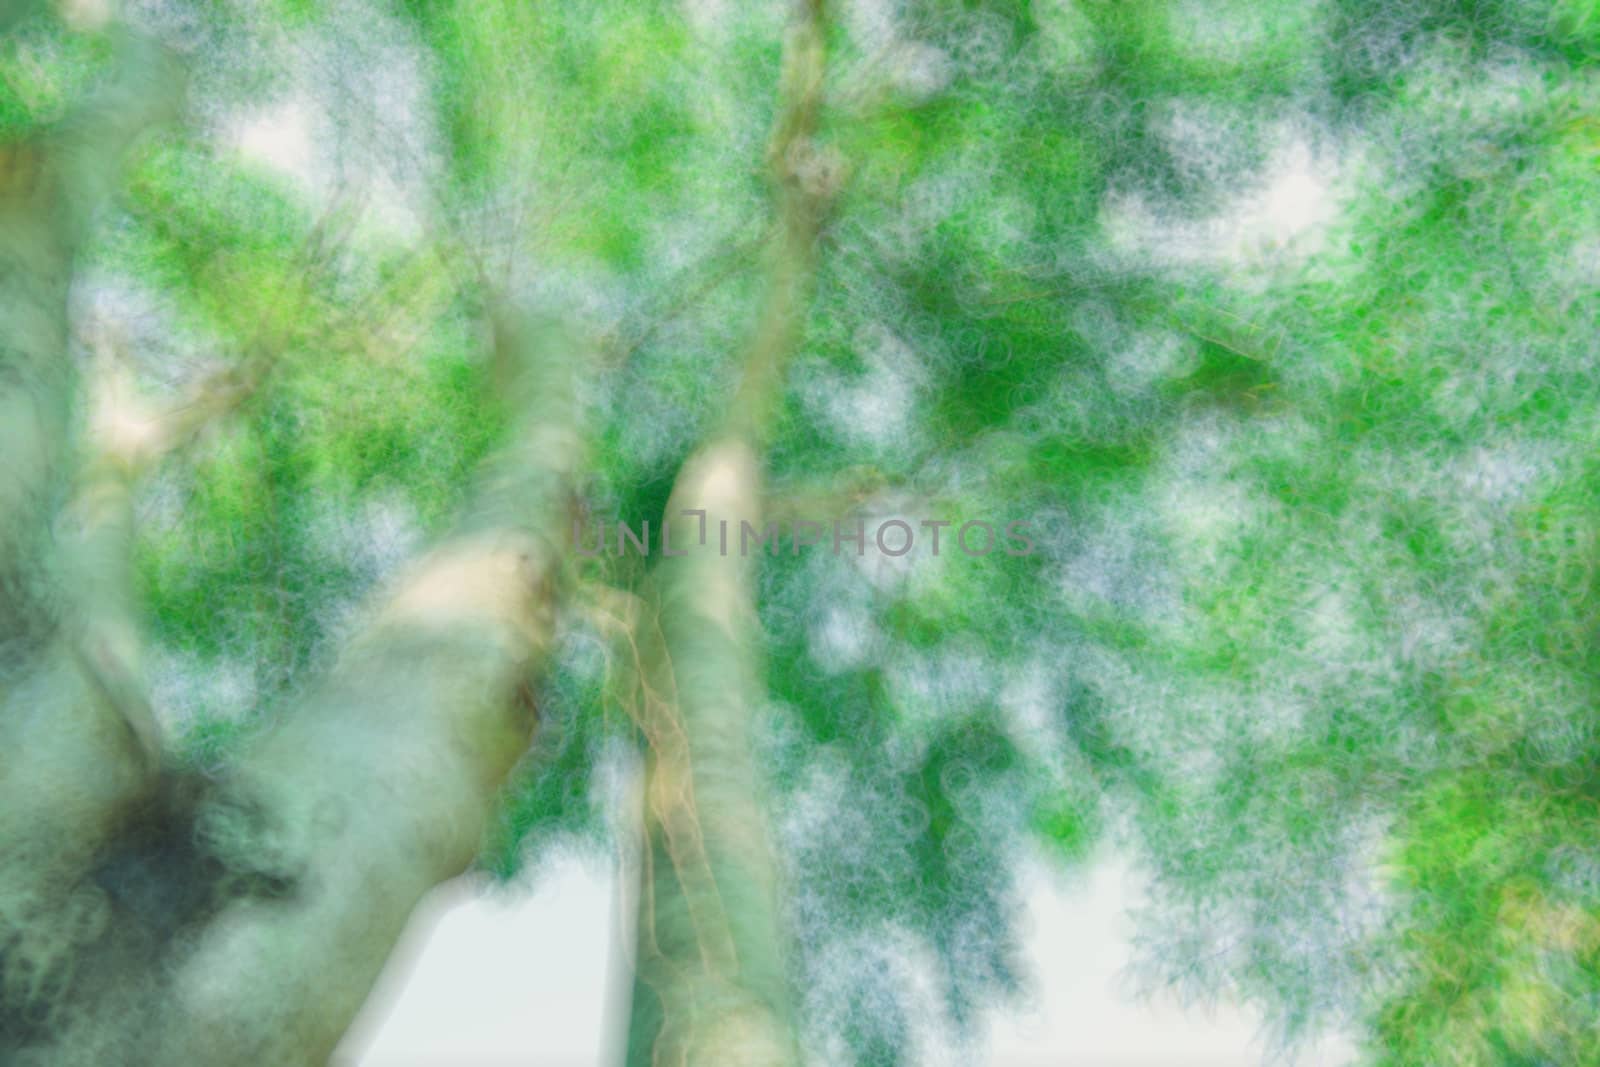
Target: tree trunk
point(711, 984)
point(151, 918)
point(711, 987)
point(244, 921)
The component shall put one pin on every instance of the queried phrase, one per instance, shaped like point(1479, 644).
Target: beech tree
point(816, 452)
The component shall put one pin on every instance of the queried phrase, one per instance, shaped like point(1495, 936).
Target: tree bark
point(293, 876)
point(148, 917)
point(71, 761)
point(711, 983)
point(379, 787)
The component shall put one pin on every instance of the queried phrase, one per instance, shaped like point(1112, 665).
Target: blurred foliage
point(1274, 320)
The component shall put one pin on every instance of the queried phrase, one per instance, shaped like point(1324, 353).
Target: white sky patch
point(355, 130)
point(1209, 141)
point(1472, 491)
point(1297, 199)
point(874, 409)
point(1192, 726)
point(917, 570)
point(86, 16)
point(116, 315)
point(911, 967)
point(281, 137)
point(1268, 717)
point(1282, 217)
point(1451, 110)
point(919, 71)
point(1230, 31)
point(1191, 746)
point(894, 62)
point(1009, 223)
point(186, 686)
point(526, 975)
point(1459, 396)
point(534, 974)
point(1205, 507)
point(844, 638)
point(1501, 475)
point(930, 686)
point(1331, 630)
point(708, 16)
point(819, 815)
point(1206, 517)
point(1112, 562)
point(1454, 96)
point(872, 22)
point(1031, 700)
point(1084, 1007)
point(1577, 273)
point(1149, 357)
point(1428, 636)
point(374, 538)
point(1068, 36)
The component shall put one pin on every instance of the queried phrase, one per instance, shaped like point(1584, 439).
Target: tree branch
point(711, 985)
point(83, 734)
point(71, 763)
point(379, 786)
point(50, 188)
point(127, 438)
point(806, 176)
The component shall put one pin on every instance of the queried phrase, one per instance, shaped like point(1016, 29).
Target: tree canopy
point(1272, 323)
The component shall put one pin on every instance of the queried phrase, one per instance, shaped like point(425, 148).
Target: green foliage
point(41, 71)
point(1274, 320)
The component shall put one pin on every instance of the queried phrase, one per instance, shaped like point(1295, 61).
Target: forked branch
point(378, 787)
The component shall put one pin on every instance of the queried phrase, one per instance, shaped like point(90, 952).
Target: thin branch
point(806, 177)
